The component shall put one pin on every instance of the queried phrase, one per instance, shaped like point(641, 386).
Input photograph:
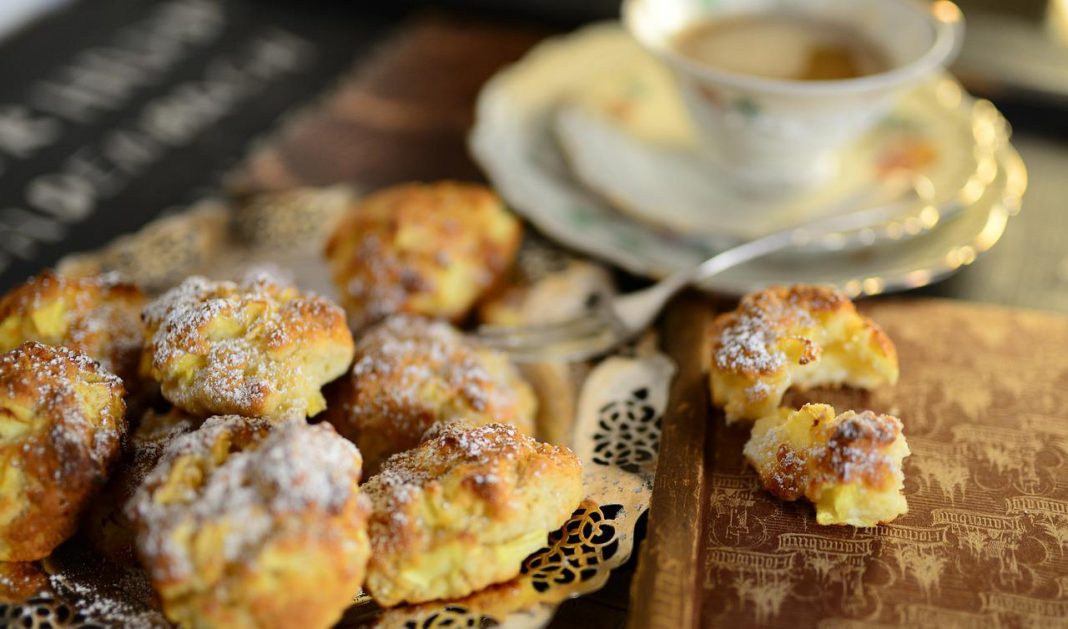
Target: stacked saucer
point(588, 138)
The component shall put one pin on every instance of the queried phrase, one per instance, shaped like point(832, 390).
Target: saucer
point(515, 143)
point(627, 136)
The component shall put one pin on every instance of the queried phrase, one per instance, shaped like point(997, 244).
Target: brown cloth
point(984, 398)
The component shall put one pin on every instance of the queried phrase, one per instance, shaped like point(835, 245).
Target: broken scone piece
point(464, 509)
point(802, 336)
point(849, 465)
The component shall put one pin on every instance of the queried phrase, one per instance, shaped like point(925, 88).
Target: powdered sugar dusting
point(511, 481)
point(409, 351)
point(268, 475)
point(759, 390)
point(240, 339)
point(849, 449)
point(117, 596)
point(479, 443)
point(857, 450)
point(48, 378)
point(749, 346)
point(749, 342)
point(447, 445)
point(98, 315)
point(411, 372)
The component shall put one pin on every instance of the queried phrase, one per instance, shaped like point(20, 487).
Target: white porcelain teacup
point(775, 135)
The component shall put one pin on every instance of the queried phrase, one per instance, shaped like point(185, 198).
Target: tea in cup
point(780, 87)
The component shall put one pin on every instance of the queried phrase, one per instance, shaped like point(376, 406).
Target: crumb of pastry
point(801, 336)
point(464, 509)
point(849, 466)
point(258, 348)
point(430, 249)
point(410, 373)
point(98, 315)
point(61, 429)
point(251, 523)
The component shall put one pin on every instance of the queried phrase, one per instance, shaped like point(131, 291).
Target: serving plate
point(627, 135)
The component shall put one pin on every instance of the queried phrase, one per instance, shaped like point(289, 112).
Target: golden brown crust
point(61, 428)
point(410, 373)
point(249, 523)
point(99, 316)
point(849, 465)
point(425, 249)
point(258, 349)
point(463, 509)
point(800, 336)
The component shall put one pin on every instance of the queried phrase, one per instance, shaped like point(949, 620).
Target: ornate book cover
point(984, 398)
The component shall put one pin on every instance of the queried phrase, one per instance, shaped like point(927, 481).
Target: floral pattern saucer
point(971, 179)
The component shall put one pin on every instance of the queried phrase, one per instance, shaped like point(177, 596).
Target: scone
point(249, 523)
point(99, 316)
point(464, 509)
point(61, 429)
point(410, 373)
point(849, 466)
point(105, 524)
point(258, 348)
point(425, 249)
point(801, 336)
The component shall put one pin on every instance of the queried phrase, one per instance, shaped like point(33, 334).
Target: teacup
point(774, 135)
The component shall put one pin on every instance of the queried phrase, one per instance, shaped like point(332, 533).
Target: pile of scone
point(194, 430)
point(848, 465)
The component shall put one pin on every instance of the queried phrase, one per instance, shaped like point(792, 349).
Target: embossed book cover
point(983, 396)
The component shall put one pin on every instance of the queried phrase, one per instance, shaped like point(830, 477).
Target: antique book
point(983, 396)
